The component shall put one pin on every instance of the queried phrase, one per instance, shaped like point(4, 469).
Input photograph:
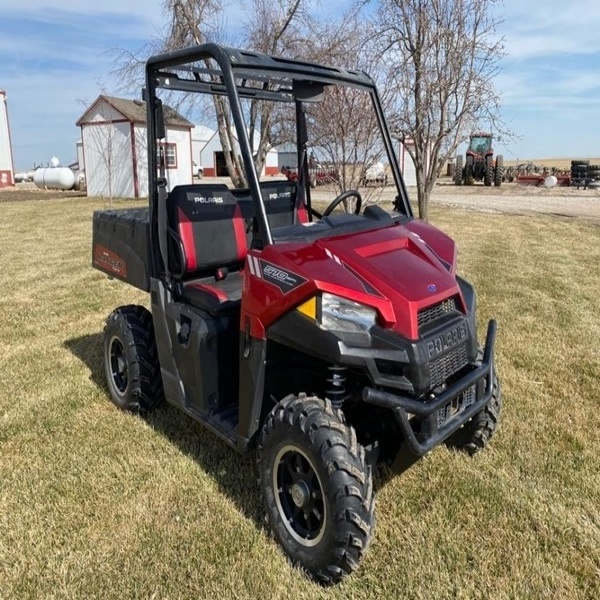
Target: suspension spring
point(336, 384)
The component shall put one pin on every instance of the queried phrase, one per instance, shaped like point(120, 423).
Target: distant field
point(97, 503)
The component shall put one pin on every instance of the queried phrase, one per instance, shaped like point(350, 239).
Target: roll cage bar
point(219, 70)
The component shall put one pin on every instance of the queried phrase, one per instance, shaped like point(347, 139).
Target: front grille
point(443, 367)
point(431, 313)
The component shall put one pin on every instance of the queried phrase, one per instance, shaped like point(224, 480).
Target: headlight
point(341, 314)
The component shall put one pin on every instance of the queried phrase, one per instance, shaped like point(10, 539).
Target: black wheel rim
point(299, 496)
point(119, 371)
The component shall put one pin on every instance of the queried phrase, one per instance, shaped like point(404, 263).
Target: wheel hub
point(301, 494)
point(118, 366)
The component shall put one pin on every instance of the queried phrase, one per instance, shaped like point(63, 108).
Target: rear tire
point(131, 359)
point(469, 170)
point(499, 174)
point(475, 434)
point(457, 176)
point(488, 176)
point(317, 487)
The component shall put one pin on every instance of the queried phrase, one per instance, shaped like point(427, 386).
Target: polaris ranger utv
point(332, 342)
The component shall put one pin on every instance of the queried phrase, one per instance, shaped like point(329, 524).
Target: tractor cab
point(327, 331)
point(480, 143)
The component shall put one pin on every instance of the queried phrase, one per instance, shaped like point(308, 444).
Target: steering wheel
point(343, 196)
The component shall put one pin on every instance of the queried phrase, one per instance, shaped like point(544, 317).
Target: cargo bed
point(120, 245)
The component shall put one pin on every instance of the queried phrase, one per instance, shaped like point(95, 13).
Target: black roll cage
point(245, 74)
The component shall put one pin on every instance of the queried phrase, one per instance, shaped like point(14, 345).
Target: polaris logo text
point(447, 340)
point(276, 195)
point(208, 199)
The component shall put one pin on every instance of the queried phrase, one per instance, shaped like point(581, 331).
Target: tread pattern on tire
point(347, 485)
point(476, 433)
point(134, 325)
point(457, 176)
point(488, 176)
point(499, 174)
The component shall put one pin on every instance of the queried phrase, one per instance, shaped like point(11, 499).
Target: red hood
point(397, 270)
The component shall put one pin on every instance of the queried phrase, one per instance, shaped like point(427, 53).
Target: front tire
point(316, 486)
point(131, 360)
point(475, 434)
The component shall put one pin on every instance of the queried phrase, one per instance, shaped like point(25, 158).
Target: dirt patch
point(28, 191)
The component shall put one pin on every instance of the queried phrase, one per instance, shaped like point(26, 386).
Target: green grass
point(97, 503)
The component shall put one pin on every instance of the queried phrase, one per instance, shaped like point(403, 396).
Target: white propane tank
point(550, 181)
point(59, 178)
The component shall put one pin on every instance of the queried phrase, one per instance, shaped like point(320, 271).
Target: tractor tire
point(499, 174)
point(475, 434)
point(317, 487)
point(578, 163)
point(469, 175)
point(131, 360)
point(488, 175)
point(457, 176)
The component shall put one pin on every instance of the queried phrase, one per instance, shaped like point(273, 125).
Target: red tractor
point(479, 164)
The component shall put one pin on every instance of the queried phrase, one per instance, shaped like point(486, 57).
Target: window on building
point(169, 151)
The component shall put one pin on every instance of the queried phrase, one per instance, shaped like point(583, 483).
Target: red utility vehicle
point(329, 342)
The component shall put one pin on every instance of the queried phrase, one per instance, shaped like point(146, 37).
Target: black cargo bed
point(120, 245)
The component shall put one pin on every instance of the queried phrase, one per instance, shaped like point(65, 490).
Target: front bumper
point(480, 378)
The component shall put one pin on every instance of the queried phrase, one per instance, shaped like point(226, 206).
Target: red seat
point(208, 246)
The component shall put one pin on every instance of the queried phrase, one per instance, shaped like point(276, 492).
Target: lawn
point(97, 503)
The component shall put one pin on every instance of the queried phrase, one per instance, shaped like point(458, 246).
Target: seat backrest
point(280, 203)
point(207, 229)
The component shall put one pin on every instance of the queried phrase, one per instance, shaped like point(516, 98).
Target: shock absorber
point(336, 385)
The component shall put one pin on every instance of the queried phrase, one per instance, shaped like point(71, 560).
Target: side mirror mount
point(159, 119)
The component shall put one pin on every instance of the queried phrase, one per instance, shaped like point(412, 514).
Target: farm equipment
point(479, 163)
point(317, 175)
point(331, 343)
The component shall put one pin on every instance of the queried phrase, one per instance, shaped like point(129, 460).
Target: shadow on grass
point(235, 474)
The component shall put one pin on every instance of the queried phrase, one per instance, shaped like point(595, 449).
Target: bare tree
point(442, 57)
point(344, 124)
point(271, 28)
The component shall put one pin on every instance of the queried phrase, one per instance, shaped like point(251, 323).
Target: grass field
point(97, 503)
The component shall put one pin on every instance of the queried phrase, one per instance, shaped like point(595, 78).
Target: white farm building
point(207, 152)
point(113, 134)
point(7, 175)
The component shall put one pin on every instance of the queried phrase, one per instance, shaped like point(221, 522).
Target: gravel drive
point(512, 198)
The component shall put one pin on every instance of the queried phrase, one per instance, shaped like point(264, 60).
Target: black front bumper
point(403, 406)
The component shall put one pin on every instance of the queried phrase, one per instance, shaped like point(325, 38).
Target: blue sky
point(54, 56)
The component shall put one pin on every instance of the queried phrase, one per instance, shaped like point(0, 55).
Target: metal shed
point(113, 133)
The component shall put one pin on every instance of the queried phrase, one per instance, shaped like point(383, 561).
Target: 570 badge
point(285, 280)
point(447, 340)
